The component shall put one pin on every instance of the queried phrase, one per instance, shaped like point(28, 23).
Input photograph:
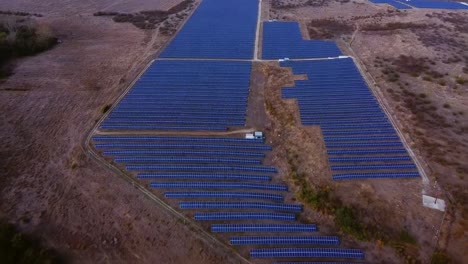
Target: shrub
point(29, 42)
point(105, 108)
point(348, 222)
point(460, 80)
point(406, 237)
point(440, 257)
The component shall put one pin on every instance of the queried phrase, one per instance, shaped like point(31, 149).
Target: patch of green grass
point(406, 237)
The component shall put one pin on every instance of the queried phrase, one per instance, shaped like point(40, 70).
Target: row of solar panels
point(360, 141)
point(177, 145)
point(176, 139)
point(225, 195)
point(206, 180)
point(284, 40)
point(407, 4)
point(396, 4)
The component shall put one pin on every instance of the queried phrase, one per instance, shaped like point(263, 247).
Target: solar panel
point(198, 176)
point(284, 240)
point(243, 228)
point(241, 205)
point(182, 153)
point(146, 159)
point(373, 167)
point(177, 139)
point(218, 185)
point(370, 159)
point(437, 4)
point(396, 4)
point(244, 216)
point(317, 262)
point(306, 253)
point(182, 146)
point(375, 175)
point(224, 195)
point(198, 168)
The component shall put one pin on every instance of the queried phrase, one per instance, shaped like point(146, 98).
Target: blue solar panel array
point(436, 4)
point(206, 176)
point(361, 142)
point(184, 95)
point(217, 29)
point(393, 3)
point(284, 40)
point(216, 179)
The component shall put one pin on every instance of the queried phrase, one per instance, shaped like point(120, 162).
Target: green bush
point(346, 218)
point(460, 80)
point(105, 108)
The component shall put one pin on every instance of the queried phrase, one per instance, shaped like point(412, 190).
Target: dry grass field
point(49, 187)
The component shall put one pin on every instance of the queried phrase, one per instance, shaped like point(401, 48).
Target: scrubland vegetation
point(20, 38)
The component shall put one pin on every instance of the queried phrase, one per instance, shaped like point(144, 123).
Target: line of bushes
point(19, 13)
point(146, 19)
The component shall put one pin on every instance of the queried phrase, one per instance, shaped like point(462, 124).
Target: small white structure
point(249, 136)
point(434, 203)
point(258, 135)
